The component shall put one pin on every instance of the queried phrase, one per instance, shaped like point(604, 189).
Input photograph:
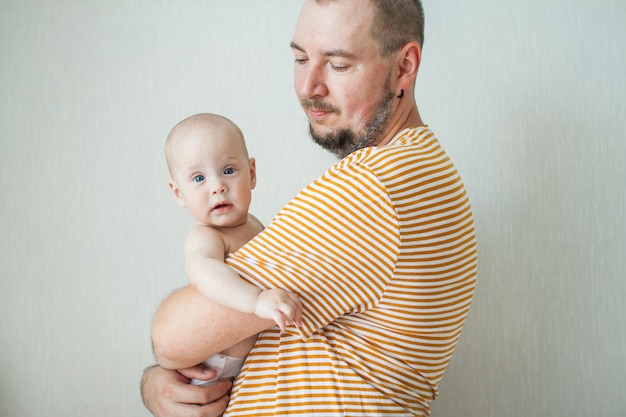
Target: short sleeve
point(336, 244)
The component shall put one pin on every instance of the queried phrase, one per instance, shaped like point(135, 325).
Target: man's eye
point(229, 171)
point(338, 68)
point(198, 178)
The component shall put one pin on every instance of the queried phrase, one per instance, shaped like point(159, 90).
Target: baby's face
point(214, 177)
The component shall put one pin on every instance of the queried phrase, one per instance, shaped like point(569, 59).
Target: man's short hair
point(398, 22)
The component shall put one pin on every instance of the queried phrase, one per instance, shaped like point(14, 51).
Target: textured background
point(529, 99)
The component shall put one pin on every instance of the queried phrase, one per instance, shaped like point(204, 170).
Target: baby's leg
point(227, 363)
point(241, 349)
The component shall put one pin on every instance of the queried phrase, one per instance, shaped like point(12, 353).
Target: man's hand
point(167, 393)
point(281, 306)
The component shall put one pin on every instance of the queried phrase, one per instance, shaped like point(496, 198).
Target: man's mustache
point(317, 105)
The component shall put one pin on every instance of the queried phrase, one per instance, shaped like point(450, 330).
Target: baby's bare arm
point(205, 248)
point(207, 272)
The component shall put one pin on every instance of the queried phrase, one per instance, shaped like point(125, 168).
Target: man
point(381, 248)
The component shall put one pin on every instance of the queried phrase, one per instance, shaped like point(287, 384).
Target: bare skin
point(178, 398)
point(213, 178)
point(187, 311)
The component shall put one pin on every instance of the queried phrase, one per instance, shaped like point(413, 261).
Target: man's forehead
point(334, 28)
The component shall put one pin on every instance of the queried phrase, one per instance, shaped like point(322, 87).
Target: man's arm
point(187, 328)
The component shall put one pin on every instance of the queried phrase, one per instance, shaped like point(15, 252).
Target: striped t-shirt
point(382, 251)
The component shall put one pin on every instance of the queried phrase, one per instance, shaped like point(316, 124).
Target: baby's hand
point(281, 306)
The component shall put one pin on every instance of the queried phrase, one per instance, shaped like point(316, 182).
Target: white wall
point(529, 99)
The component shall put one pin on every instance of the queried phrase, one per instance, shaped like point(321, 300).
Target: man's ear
point(409, 60)
point(178, 196)
point(252, 164)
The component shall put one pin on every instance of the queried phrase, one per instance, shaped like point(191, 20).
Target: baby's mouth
point(221, 206)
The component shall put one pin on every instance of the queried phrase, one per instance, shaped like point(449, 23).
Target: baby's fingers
point(297, 317)
point(291, 313)
point(281, 320)
point(296, 311)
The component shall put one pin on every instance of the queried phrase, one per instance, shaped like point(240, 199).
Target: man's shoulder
point(404, 145)
point(418, 135)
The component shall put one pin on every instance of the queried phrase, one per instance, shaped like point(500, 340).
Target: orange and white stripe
point(382, 251)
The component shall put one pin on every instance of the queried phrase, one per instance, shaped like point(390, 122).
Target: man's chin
point(338, 141)
point(318, 130)
point(321, 136)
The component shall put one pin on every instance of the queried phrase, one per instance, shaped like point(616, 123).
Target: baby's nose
point(218, 188)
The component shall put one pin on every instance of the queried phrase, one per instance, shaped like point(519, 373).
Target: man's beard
point(344, 141)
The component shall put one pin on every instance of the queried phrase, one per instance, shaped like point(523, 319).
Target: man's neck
point(404, 117)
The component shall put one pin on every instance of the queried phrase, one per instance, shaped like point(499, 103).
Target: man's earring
point(401, 94)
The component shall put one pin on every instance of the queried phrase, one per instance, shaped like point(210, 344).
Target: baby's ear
point(178, 196)
point(252, 164)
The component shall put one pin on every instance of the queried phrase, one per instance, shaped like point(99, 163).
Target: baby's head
point(212, 174)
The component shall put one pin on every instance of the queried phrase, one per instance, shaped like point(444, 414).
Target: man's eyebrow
point(341, 53)
point(332, 53)
point(294, 45)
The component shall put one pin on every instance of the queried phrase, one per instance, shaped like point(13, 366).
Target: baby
point(213, 177)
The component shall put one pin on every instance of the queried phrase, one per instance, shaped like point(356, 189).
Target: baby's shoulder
point(204, 232)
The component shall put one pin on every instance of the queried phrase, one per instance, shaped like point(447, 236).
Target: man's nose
point(312, 82)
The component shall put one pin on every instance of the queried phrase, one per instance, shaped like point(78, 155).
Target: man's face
point(341, 79)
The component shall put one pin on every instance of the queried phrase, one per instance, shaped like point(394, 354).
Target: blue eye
point(229, 171)
point(198, 178)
